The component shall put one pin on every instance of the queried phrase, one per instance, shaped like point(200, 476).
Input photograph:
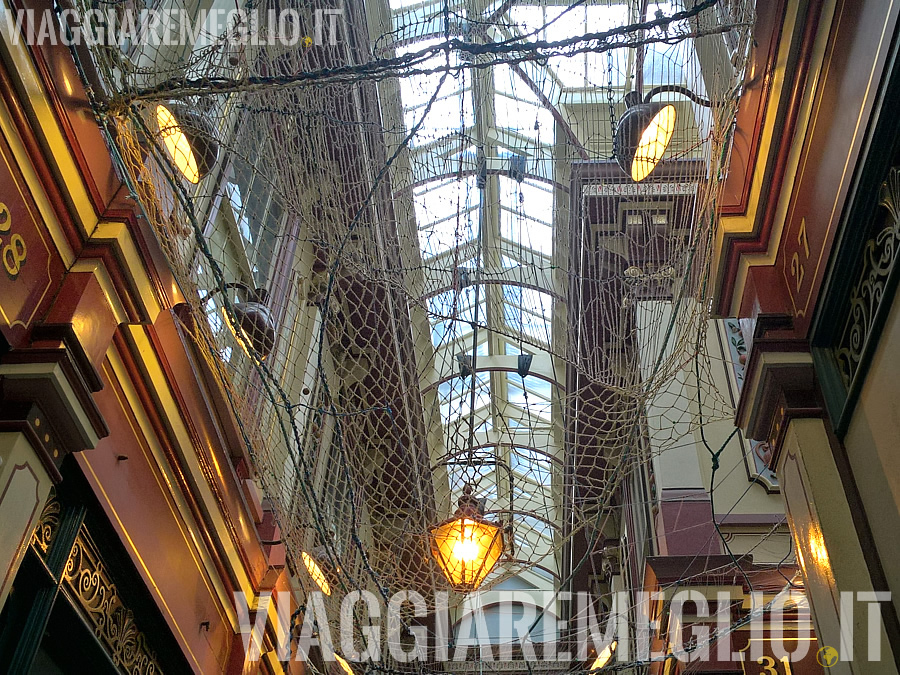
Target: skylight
point(490, 197)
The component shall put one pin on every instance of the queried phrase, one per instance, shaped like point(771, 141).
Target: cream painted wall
point(24, 486)
point(873, 447)
point(831, 556)
point(682, 460)
point(669, 413)
point(735, 493)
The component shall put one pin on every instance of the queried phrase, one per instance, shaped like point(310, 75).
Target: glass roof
point(510, 118)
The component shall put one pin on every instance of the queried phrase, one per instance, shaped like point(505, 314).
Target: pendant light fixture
point(645, 130)
point(188, 139)
point(255, 327)
point(467, 546)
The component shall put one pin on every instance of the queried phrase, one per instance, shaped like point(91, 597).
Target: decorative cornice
point(781, 385)
point(751, 114)
point(50, 379)
point(736, 245)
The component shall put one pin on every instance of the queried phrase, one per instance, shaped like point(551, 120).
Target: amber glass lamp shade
point(466, 546)
point(642, 136)
point(188, 140)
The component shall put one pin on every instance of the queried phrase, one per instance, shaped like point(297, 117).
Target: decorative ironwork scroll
point(90, 585)
point(46, 528)
point(879, 257)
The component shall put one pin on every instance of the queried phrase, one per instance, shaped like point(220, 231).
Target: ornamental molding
point(879, 256)
point(87, 583)
point(47, 525)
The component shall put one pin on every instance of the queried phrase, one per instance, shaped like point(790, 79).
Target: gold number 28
point(14, 254)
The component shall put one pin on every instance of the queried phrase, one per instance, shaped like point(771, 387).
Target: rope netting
point(466, 288)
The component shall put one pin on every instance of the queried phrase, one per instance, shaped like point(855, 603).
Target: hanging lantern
point(467, 546)
point(255, 329)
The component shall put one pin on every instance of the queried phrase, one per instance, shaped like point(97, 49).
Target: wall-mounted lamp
point(467, 546)
point(645, 130)
point(188, 138)
point(315, 572)
point(604, 657)
point(255, 328)
point(344, 666)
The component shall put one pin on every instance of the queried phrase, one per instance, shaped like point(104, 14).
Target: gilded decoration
point(879, 256)
point(87, 579)
point(47, 525)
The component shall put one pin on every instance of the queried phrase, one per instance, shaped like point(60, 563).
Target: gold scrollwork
point(42, 536)
point(89, 583)
point(879, 255)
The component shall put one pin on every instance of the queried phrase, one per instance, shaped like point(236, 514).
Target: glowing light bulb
point(653, 143)
point(177, 144)
point(315, 572)
point(344, 665)
point(466, 547)
point(604, 657)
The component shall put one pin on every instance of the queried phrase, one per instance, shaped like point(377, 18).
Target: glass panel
point(531, 464)
point(451, 314)
point(532, 404)
point(531, 197)
point(528, 311)
point(528, 232)
point(257, 214)
point(455, 396)
point(528, 119)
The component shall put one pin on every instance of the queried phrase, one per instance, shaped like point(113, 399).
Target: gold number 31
point(768, 664)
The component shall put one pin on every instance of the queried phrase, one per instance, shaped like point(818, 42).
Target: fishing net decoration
point(429, 199)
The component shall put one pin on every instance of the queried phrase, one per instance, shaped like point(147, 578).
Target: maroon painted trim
point(149, 402)
point(752, 107)
point(736, 246)
point(54, 63)
point(115, 207)
point(36, 155)
point(164, 348)
point(65, 333)
point(749, 519)
point(62, 357)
